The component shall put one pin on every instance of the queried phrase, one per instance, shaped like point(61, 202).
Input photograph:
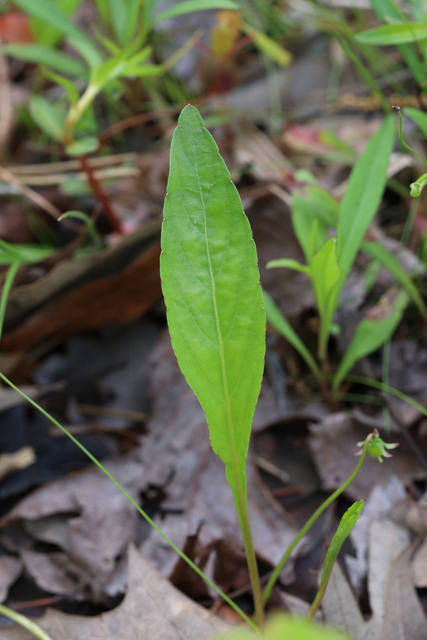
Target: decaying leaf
point(152, 609)
point(10, 568)
point(88, 518)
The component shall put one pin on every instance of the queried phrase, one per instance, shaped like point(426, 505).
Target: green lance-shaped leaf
point(325, 276)
point(402, 33)
point(363, 195)
point(347, 523)
point(373, 331)
point(212, 292)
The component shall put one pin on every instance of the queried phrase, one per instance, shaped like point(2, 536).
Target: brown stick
point(99, 192)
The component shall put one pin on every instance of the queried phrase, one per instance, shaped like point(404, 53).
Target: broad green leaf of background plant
point(388, 12)
point(124, 19)
point(48, 35)
point(70, 88)
point(373, 331)
point(325, 276)
point(23, 253)
point(286, 627)
point(347, 523)
point(268, 46)
point(40, 54)
point(83, 147)
point(363, 195)
point(189, 6)
point(419, 117)
point(281, 324)
point(89, 52)
point(212, 292)
point(311, 205)
point(49, 117)
point(50, 13)
point(401, 33)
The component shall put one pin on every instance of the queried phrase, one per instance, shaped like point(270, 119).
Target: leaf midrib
point(217, 324)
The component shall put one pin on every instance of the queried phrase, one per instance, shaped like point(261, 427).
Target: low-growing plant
point(409, 35)
point(329, 261)
point(108, 58)
point(216, 319)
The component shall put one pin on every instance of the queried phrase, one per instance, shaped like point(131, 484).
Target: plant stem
point(249, 548)
point(135, 504)
point(76, 112)
point(24, 622)
point(100, 194)
point(276, 573)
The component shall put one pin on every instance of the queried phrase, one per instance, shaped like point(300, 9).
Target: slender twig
point(101, 195)
point(31, 195)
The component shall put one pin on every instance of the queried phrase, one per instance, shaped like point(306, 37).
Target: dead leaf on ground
point(95, 527)
point(152, 608)
point(196, 490)
point(115, 299)
point(408, 373)
point(11, 462)
point(397, 613)
point(71, 273)
point(333, 443)
point(92, 522)
point(10, 569)
point(419, 566)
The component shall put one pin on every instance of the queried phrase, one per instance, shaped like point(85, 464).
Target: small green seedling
point(347, 523)
point(329, 261)
point(213, 296)
point(215, 313)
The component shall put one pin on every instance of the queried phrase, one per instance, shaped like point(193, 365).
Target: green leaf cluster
point(101, 60)
point(329, 261)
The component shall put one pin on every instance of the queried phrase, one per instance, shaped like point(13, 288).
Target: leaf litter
point(179, 480)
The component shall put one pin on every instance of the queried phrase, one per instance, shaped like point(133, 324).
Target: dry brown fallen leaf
point(91, 522)
point(193, 477)
point(152, 610)
point(114, 299)
point(333, 443)
point(397, 613)
point(11, 462)
point(89, 519)
point(10, 568)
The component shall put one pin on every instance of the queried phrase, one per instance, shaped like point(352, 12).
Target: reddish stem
point(100, 194)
